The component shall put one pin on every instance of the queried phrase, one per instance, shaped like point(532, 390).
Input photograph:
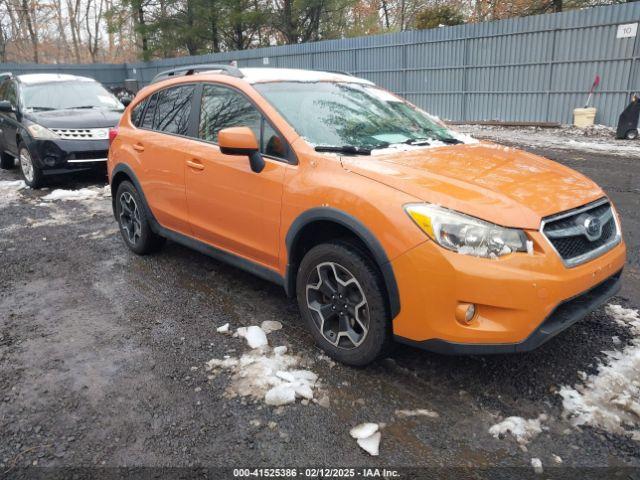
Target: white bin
point(584, 117)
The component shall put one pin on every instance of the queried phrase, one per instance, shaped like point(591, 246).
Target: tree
point(438, 15)
point(126, 30)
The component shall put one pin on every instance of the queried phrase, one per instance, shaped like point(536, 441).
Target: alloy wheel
point(130, 217)
point(338, 305)
point(26, 164)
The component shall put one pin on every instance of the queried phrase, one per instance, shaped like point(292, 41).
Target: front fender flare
point(361, 231)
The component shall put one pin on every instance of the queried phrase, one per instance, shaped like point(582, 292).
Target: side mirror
point(6, 107)
point(126, 101)
point(241, 141)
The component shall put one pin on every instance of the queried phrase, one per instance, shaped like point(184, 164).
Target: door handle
point(195, 164)
point(138, 147)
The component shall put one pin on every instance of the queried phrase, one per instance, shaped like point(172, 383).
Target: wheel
point(341, 298)
point(30, 171)
point(133, 222)
point(631, 134)
point(7, 162)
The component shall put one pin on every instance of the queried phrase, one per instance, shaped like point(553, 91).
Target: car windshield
point(68, 95)
point(358, 115)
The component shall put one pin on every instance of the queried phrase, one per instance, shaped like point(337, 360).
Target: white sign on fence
point(627, 30)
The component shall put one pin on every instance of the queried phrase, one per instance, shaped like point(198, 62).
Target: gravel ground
point(103, 353)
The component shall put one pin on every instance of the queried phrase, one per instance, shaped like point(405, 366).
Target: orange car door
point(230, 206)
point(162, 146)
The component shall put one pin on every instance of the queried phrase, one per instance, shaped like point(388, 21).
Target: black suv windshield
point(352, 114)
point(68, 95)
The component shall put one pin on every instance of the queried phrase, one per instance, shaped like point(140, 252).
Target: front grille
point(82, 133)
point(583, 233)
point(89, 155)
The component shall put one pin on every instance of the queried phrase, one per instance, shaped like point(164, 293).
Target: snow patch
point(280, 395)
point(281, 350)
point(419, 412)
point(254, 335)
point(610, 398)
point(223, 329)
point(368, 437)
point(13, 184)
point(270, 326)
point(9, 190)
point(523, 430)
point(536, 463)
point(269, 375)
point(597, 139)
point(89, 193)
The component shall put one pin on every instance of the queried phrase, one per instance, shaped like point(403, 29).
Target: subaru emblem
point(592, 227)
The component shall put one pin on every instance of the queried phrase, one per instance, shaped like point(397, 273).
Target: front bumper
point(65, 156)
point(521, 300)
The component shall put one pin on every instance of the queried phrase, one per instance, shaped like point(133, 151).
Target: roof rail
point(192, 69)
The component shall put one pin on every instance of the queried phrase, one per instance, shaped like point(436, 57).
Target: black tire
point(7, 162)
point(31, 173)
point(133, 222)
point(369, 287)
point(631, 134)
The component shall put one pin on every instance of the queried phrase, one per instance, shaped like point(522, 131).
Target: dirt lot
point(103, 360)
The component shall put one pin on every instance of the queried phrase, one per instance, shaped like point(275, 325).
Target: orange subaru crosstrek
point(382, 221)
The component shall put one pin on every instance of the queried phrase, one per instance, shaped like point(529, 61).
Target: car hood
point(499, 184)
point(80, 118)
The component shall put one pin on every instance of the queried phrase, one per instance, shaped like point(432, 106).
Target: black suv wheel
point(341, 297)
point(31, 173)
point(133, 222)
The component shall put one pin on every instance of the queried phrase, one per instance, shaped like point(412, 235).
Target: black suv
point(54, 124)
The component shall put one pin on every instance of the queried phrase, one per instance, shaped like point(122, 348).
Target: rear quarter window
point(136, 113)
point(147, 119)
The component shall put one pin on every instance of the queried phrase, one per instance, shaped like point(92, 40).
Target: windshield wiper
point(82, 107)
point(425, 141)
point(41, 108)
point(450, 140)
point(418, 141)
point(344, 149)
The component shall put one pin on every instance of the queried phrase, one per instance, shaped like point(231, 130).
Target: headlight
point(40, 132)
point(464, 234)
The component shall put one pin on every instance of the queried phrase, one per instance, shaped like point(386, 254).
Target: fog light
point(50, 161)
point(465, 312)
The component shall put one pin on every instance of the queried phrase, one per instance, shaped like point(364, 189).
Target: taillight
point(113, 133)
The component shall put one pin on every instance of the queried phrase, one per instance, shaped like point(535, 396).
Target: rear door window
point(174, 109)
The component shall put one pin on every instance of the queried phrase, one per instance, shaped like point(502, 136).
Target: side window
point(223, 108)
point(12, 94)
point(174, 109)
point(136, 113)
point(3, 90)
point(147, 120)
